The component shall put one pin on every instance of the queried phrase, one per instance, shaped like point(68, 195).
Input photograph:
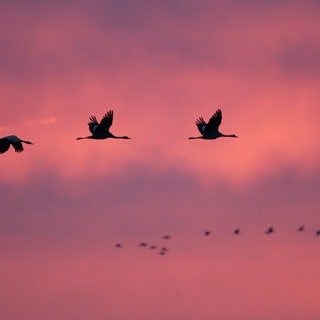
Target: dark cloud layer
point(115, 35)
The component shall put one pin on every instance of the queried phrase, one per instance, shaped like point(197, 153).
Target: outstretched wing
point(214, 123)
point(17, 146)
point(93, 124)
point(201, 124)
point(106, 122)
point(4, 145)
point(14, 141)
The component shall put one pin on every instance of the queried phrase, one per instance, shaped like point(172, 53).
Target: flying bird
point(207, 233)
point(118, 245)
point(101, 130)
point(301, 228)
point(210, 130)
point(236, 231)
point(270, 230)
point(163, 251)
point(166, 237)
point(16, 142)
point(318, 232)
point(143, 244)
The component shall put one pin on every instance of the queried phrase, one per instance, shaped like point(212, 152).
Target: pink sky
point(159, 65)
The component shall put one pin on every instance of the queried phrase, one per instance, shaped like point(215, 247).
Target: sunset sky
point(160, 65)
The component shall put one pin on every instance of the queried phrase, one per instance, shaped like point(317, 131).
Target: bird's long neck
point(118, 137)
point(27, 142)
point(200, 137)
point(228, 135)
point(88, 137)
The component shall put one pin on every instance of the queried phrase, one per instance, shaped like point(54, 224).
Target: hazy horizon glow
point(160, 65)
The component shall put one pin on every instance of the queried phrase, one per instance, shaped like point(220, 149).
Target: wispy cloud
point(43, 121)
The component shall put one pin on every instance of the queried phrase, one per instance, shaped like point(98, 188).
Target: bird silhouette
point(16, 142)
point(207, 233)
point(143, 244)
point(166, 237)
point(236, 231)
point(118, 245)
point(101, 130)
point(163, 251)
point(301, 228)
point(210, 130)
point(318, 232)
point(270, 230)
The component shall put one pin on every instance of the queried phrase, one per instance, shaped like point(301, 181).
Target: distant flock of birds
point(162, 250)
point(101, 130)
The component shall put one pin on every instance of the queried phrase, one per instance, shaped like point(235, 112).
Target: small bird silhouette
point(118, 245)
point(301, 228)
point(270, 230)
point(166, 237)
point(153, 247)
point(318, 232)
point(143, 244)
point(101, 130)
point(207, 233)
point(16, 142)
point(236, 231)
point(210, 130)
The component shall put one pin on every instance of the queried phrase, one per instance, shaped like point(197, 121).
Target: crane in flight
point(101, 130)
point(210, 130)
point(14, 141)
